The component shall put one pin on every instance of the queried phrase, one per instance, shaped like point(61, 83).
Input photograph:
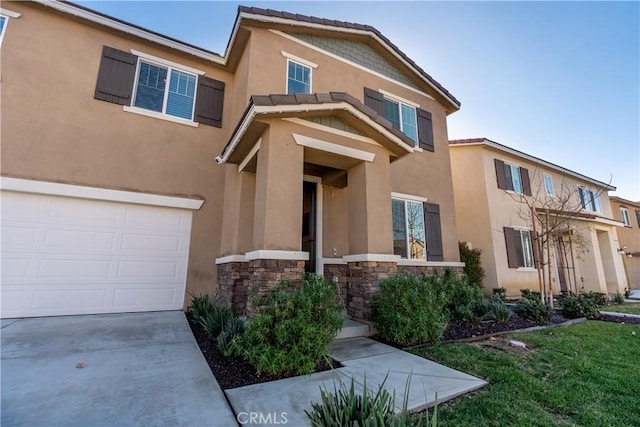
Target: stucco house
point(628, 213)
point(138, 169)
point(498, 190)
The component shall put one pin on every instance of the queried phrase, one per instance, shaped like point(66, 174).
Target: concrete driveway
point(140, 369)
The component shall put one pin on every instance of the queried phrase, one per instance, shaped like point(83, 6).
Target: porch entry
point(309, 224)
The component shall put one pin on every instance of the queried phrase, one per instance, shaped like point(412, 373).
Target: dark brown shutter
point(433, 231)
point(583, 202)
point(209, 102)
point(510, 236)
point(115, 76)
point(638, 217)
point(502, 180)
point(425, 130)
point(374, 100)
point(534, 247)
point(526, 183)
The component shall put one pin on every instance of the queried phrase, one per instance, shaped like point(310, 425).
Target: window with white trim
point(548, 185)
point(298, 78)
point(402, 116)
point(409, 239)
point(519, 247)
point(589, 199)
point(626, 219)
point(165, 90)
point(3, 26)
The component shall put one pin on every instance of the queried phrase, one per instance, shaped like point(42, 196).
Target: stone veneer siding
point(364, 282)
point(341, 272)
point(233, 286)
point(264, 275)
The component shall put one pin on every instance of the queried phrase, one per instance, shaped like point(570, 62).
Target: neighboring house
point(496, 188)
point(629, 237)
point(330, 147)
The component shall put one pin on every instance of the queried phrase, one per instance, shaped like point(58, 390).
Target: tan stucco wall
point(629, 236)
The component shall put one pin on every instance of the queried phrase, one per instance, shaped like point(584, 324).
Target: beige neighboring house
point(629, 236)
point(138, 169)
point(491, 183)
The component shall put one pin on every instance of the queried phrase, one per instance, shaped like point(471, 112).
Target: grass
point(585, 375)
point(629, 307)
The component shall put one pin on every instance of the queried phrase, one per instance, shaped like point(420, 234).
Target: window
point(624, 212)
point(402, 117)
point(519, 248)
point(548, 186)
point(3, 26)
point(589, 199)
point(512, 178)
point(408, 229)
point(153, 93)
point(298, 78)
point(638, 217)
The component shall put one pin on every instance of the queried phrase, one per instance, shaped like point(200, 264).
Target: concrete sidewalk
point(288, 399)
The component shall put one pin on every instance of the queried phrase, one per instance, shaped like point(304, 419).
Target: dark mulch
point(232, 372)
point(459, 329)
point(618, 319)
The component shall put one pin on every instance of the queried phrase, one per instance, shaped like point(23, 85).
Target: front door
point(309, 224)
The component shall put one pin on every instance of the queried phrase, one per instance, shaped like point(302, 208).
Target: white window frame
point(513, 166)
point(593, 204)
point(4, 27)
point(169, 65)
point(548, 189)
point(626, 219)
point(406, 103)
point(412, 199)
point(302, 64)
point(527, 250)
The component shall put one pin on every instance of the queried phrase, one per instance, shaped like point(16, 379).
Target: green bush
point(618, 298)
point(579, 306)
point(234, 327)
point(408, 311)
point(215, 320)
point(200, 306)
point(498, 311)
point(463, 300)
point(293, 330)
point(472, 264)
point(534, 309)
point(344, 407)
point(500, 293)
point(597, 298)
point(530, 295)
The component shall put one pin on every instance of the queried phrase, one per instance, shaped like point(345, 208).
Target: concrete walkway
point(141, 369)
point(286, 400)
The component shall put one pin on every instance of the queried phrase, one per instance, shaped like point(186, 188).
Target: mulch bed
point(459, 329)
point(232, 372)
point(619, 319)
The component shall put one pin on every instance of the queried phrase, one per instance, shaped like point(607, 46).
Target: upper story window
point(548, 185)
point(158, 88)
point(512, 178)
point(589, 199)
point(298, 78)
point(402, 116)
point(165, 90)
point(624, 212)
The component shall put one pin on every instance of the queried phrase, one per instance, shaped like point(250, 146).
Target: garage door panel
point(77, 256)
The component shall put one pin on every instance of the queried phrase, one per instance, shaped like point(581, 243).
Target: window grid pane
point(548, 185)
point(409, 124)
point(625, 216)
point(415, 229)
point(527, 248)
point(151, 84)
point(3, 20)
point(299, 78)
point(515, 175)
point(392, 112)
point(399, 228)
point(595, 199)
point(182, 87)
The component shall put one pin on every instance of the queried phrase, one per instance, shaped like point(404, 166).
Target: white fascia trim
point(160, 116)
point(93, 193)
point(128, 29)
point(398, 98)
point(411, 197)
point(298, 59)
point(354, 31)
point(371, 257)
point(423, 263)
point(165, 62)
point(276, 254)
point(607, 221)
point(252, 153)
point(9, 13)
point(345, 134)
point(527, 269)
point(332, 148)
point(230, 258)
point(333, 261)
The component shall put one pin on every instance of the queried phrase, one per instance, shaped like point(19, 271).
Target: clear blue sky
point(557, 80)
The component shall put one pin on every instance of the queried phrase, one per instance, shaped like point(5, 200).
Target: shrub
point(408, 311)
point(498, 311)
point(472, 264)
point(292, 332)
point(618, 298)
point(500, 293)
point(534, 309)
point(343, 407)
point(462, 299)
point(579, 306)
point(214, 320)
point(234, 327)
point(530, 295)
point(200, 306)
point(596, 298)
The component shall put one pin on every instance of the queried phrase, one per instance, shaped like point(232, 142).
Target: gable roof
point(512, 151)
point(297, 104)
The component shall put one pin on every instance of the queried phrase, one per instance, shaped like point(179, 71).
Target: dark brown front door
point(309, 224)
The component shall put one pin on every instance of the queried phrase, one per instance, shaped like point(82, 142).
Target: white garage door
point(63, 255)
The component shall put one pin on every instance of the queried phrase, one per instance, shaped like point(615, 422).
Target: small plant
point(233, 328)
point(462, 298)
point(472, 259)
point(618, 298)
point(293, 330)
point(215, 320)
point(345, 407)
point(500, 293)
point(597, 298)
point(534, 309)
point(200, 306)
point(530, 295)
point(498, 311)
point(574, 306)
point(408, 311)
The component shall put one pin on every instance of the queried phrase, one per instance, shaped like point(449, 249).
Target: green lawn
point(586, 375)
point(629, 307)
